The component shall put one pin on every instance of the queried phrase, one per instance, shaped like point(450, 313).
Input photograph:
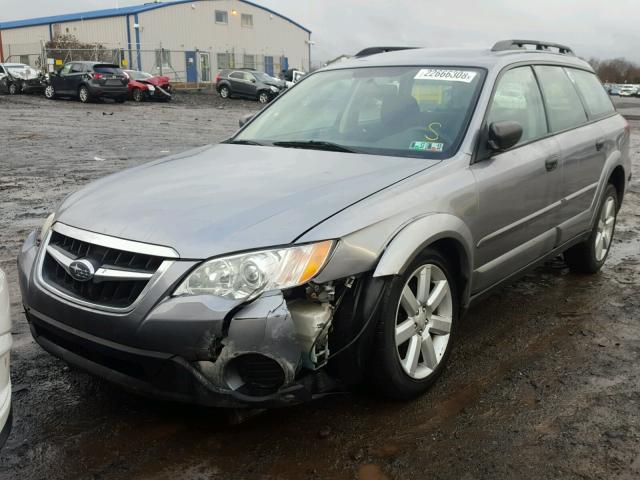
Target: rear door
point(520, 189)
point(581, 143)
point(75, 77)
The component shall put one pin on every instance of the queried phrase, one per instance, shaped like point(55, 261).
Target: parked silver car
point(339, 235)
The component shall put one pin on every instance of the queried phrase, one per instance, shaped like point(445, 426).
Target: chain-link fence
point(193, 68)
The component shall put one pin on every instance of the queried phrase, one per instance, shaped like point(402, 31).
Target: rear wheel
point(416, 327)
point(590, 255)
point(50, 92)
point(263, 97)
point(83, 94)
point(138, 95)
point(225, 92)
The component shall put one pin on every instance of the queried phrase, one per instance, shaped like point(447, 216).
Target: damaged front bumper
point(201, 349)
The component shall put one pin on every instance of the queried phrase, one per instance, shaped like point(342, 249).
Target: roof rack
point(374, 50)
point(540, 46)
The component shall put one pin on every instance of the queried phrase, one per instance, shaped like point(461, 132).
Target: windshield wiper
point(244, 142)
point(315, 145)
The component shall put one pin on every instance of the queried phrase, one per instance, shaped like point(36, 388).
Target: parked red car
point(144, 86)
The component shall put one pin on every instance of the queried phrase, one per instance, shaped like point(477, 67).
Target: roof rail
point(374, 50)
point(540, 46)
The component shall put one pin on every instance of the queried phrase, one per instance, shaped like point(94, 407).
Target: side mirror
point(245, 119)
point(504, 135)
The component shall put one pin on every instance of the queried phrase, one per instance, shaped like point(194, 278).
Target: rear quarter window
point(593, 93)
point(108, 70)
point(564, 107)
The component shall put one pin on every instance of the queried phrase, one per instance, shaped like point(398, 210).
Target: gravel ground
point(544, 382)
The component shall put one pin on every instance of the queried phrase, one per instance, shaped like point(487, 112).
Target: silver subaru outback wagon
point(339, 236)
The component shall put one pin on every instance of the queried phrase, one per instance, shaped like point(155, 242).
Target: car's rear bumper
point(108, 91)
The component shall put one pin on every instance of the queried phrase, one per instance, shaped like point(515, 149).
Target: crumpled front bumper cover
point(154, 374)
point(173, 348)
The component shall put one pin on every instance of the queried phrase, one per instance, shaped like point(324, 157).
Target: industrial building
point(187, 40)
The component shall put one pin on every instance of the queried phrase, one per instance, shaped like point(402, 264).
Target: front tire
point(263, 97)
point(138, 95)
point(50, 92)
point(84, 95)
point(590, 255)
point(416, 327)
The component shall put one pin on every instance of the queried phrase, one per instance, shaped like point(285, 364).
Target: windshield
point(263, 77)
point(401, 111)
point(138, 75)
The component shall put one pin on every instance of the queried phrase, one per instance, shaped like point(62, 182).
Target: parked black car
point(20, 78)
point(249, 84)
point(87, 81)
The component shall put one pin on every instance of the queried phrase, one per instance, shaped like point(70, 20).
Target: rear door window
point(517, 98)
point(593, 93)
point(564, 107)
point(77, 68)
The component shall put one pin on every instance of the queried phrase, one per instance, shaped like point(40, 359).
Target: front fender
point(419, 234)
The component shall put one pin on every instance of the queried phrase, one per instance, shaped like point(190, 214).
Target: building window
point(223, 60)
point(246, 20)
point(222, 17)
point(249, 61)
point(57, 30)
point(163, 58)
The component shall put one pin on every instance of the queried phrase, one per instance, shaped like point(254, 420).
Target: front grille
point(119, 293)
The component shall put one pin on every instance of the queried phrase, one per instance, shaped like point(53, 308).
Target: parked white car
point(628, 90)
point(5, 347)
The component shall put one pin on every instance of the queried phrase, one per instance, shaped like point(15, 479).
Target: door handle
point(551, 164)
point(599, 144)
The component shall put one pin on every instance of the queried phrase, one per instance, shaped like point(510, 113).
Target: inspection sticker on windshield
point(427, 146)
point(465, 76)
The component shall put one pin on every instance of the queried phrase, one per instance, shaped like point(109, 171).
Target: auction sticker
point(427, 146)
point(465, 76)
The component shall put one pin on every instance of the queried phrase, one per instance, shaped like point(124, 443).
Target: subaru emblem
point(82, 270)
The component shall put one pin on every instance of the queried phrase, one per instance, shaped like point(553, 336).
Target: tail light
point(218, 77)
point(96, 76)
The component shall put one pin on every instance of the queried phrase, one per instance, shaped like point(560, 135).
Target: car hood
point(227, 198)
point(157, 81)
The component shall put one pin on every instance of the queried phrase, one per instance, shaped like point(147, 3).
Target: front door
point(192, 67)
point(519, 190)
point(61, 82)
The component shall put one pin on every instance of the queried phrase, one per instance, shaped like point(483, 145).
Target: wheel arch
point(444, 232)
point(618, 180)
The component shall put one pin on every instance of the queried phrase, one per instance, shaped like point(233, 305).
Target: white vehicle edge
point(5, 352)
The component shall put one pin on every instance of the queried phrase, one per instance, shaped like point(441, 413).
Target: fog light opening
point(254, 374)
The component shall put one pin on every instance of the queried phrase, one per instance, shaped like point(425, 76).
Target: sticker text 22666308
point(465, 76)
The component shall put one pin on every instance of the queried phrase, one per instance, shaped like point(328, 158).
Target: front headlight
point(274, 89)
point(46, 226)
point(151, 88)
point(245, 276)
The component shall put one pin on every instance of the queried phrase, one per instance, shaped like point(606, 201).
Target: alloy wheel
point(424, 319)
point(84, 95)
point(604, 233)
point(263, 98)
point(224, 92)
point(49, 92)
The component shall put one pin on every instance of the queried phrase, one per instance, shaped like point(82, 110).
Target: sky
point(593, 28)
